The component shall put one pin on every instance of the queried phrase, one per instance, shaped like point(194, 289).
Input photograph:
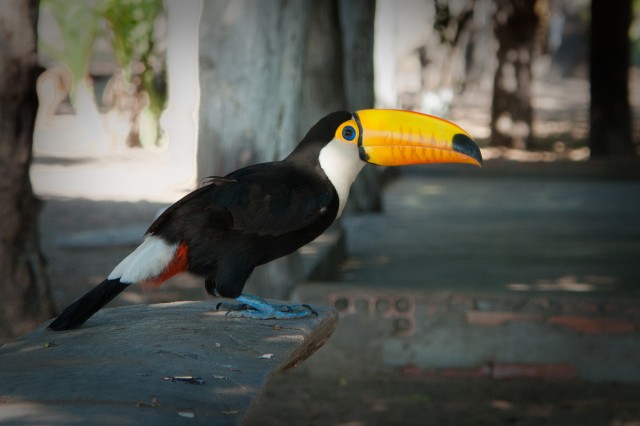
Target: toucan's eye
point(348, 133)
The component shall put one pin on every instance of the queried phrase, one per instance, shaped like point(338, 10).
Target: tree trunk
point(25, 299)
point(610, 113)
point(356, 25)
point(338, 75)
point(357, 28)
point(515, 25)
point(323, 88)
point(251, 57)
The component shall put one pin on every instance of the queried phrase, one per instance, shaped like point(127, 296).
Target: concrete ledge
point(165, 364)
point(593, 336)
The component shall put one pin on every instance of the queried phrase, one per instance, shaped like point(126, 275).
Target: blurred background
point(504, 295)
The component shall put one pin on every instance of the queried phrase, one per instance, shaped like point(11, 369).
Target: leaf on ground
point(186, 414)
point(266, 356)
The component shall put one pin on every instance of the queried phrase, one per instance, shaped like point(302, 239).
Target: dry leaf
point(186, 414)
point(266, 356)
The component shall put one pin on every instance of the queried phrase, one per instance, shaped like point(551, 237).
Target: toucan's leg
point(256, 307)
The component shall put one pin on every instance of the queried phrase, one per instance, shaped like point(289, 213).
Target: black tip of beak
point(465, 145)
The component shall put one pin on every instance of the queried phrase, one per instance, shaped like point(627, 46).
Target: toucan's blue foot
point(258, 308)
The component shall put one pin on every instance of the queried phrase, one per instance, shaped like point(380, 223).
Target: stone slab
point(164, 364)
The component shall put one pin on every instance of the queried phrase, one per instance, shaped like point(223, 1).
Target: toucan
point(224, 229)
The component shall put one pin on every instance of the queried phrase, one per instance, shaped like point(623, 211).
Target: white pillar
point(180, 118)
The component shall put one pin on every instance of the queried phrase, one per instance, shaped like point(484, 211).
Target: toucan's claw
point(275, 314)
point(258, 308)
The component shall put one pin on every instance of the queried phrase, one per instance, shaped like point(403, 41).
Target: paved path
point(500, 232)
point(497, 275)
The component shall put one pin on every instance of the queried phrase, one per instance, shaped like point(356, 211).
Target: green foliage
point(132, 23)
point(78, 25)
point(449, 25)
point(442, 21)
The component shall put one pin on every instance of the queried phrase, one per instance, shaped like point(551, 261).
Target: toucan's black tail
point(82, 309)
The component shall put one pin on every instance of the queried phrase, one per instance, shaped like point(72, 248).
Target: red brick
point(590, 325)
point(492, 319)
point(534, 371)
point(463, 373)
point(499, 372)
point(412, 370)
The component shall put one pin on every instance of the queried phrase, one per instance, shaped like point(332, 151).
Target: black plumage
point(82, 309)
point(255, 214)
point(234, 223)
point(224, 229)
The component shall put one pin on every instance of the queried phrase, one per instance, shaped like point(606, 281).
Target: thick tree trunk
point(357, 28)
point(515, 25)
point(610, 113)
point(25, 299)
point(338, 75)
point(323, 87)
point(251, 57)
point(356, 25)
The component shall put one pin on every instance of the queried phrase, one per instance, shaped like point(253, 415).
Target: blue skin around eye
point(349, 133)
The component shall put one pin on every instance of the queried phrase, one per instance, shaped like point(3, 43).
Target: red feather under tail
point(179, 263)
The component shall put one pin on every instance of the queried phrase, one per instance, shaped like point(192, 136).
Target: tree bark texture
point(515, 26)
point(610, 112)
point(251, 57)
point(25, 299)
point(338, 75)
point(356, 26)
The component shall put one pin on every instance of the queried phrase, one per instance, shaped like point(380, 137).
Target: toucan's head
point(387, 138)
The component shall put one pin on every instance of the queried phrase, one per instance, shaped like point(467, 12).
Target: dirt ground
point(395, 399)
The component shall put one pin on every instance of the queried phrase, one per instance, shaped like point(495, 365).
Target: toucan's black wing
point(265, 199)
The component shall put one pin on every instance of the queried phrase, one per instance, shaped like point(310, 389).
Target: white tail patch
point(147, 261)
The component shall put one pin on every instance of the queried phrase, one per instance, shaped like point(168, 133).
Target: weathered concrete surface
point(479, 334)
point(117, 368)
point(486, 271)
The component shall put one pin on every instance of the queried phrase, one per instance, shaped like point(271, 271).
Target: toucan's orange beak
point(396, 138)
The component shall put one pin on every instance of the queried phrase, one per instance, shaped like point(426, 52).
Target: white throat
point(341, 163)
